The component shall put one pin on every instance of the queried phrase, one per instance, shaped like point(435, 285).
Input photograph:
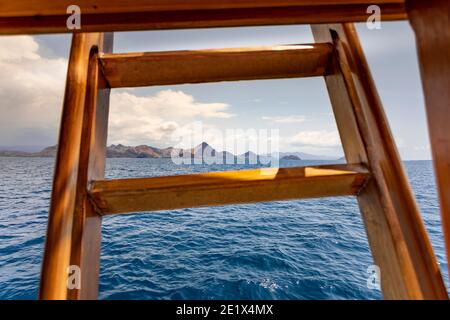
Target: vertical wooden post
point(396, 234)
point(74, 228)
point(431, 23)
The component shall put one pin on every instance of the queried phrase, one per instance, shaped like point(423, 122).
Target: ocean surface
point(309, 249)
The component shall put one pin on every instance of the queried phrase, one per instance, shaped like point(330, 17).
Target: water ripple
point(315, 249)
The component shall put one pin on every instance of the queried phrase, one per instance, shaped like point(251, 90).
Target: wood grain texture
point(178, 67)
point(45, 7)
point(224, 188)
point(397, 237)
point(73, 234)
point(19, 18)
point(86, 236)
point(431, 23)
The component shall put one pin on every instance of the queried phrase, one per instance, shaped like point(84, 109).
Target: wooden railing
point(45, 16)
point(80, 195)
point(225, 188)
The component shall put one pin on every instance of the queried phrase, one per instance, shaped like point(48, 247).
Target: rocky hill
point(144, 151)
point(291, 157)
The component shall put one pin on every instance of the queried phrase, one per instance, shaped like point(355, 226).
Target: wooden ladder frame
point(431, 23)
point(396, 234)
point(74, 227)
point(395, 230)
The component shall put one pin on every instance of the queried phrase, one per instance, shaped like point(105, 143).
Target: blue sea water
point(309, 249)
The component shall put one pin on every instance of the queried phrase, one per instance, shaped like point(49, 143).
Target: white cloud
point(285, 119)
point(18, 48)
point(31, 97)
point(317, 139)
point(152, 119)
point(31, 92)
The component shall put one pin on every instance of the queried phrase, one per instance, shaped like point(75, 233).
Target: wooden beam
point(74, 228)
point(178, 67)
point(19, 17)
point(224, 188)
point(396, 234)
point(45, 7)
point(431, 23)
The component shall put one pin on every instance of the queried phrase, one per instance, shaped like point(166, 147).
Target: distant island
point(291, 157)
point(145, 151)
point(48, 152)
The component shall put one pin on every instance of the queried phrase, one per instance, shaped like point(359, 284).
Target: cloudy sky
point(33, 71)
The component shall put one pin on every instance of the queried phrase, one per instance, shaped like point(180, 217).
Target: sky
point(33, 73)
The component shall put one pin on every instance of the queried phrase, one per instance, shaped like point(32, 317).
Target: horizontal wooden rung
point(225, 188)
point(45, 7)
point(197, 66)
point(44, 16)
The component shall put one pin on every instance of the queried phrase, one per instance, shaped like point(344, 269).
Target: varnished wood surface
point(178, 67)
point(86, 236)
point(46, 7)
point(224, 188)
point(19, 17)
point(73, 233)
point(431, 23)
point(397, 237)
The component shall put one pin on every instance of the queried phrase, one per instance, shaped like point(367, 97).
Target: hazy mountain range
point(145, 151)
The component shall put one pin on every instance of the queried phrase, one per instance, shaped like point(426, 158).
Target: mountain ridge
point(145, 151)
